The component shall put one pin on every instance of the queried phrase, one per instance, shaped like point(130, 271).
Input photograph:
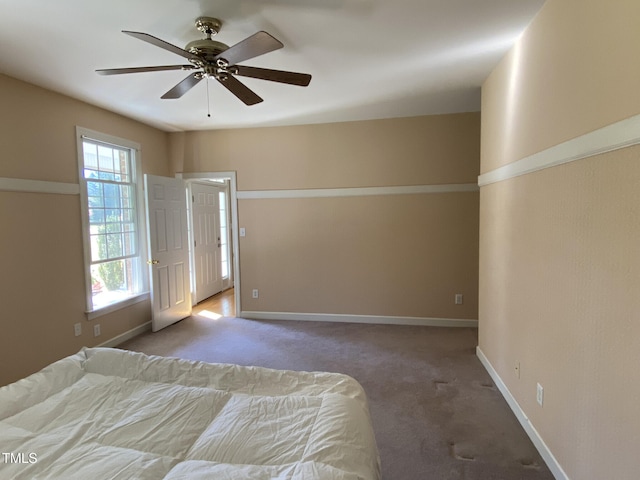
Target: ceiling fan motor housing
point(206, 48)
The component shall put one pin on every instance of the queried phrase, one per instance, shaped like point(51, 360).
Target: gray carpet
point(435, 410)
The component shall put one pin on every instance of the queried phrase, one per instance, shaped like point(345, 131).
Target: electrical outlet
point(518, 369)
point(255, 293)
point(458, 299)
point(96, 330)
point(540, 394)
point(77, 329)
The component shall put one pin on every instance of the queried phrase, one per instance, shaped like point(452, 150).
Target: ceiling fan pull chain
point(208, 102)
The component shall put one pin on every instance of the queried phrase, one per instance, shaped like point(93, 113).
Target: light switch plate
point(540, 394)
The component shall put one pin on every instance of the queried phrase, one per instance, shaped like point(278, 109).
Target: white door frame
point(233, 201)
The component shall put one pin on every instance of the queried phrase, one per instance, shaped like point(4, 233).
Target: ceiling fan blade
point(183, 87)
point(239, 89)
point(118, 71)
point(253, 46)
point(145, 37)
point(291, 78)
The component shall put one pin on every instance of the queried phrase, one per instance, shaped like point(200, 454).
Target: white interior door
point(168, 250)
point(207, 240)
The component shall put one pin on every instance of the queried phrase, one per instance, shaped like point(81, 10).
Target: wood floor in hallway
point(222, 304)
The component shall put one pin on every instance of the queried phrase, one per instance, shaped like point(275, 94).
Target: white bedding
point(112, 414)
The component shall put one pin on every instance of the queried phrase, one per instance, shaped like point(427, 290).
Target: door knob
point(153, 262)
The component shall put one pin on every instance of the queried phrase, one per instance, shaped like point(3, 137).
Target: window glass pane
point(123, 164)
point(111, 202)
point(90, 155)
point(94, 189)
point(111, 190)
point(114, 227)
point(105, 159)
point(96, 202)
point(113, 214)
point(114, 246)
point(127, 195)
point(96, 215)
point(98, 248)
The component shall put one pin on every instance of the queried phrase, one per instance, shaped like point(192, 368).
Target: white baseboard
point(533, 434)
point(374, 319)
point(128, 335)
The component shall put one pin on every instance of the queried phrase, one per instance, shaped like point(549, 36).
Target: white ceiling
point(368, 58)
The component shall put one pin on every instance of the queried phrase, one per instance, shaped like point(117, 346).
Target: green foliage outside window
point(111, 273)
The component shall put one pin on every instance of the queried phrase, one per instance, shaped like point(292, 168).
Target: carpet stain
point(483, 384)
point(530, 464)
point(440, 383)
point(458, 455)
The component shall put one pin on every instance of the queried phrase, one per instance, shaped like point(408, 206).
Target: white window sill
point(98, 312)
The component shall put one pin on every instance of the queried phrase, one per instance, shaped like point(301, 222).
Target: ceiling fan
point(211, 59)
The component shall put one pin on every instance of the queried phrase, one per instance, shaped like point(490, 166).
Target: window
point(111, 220)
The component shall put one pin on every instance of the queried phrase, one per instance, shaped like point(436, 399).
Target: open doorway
point(215, 215)
point(210, 240)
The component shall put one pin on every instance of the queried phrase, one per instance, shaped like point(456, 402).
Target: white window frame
point(135, 149)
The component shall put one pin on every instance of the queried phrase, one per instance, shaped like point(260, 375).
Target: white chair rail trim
point(38, 186)
point(358, 191)
point(612, 137)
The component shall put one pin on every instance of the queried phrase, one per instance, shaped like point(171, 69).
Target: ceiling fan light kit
point(212, 59)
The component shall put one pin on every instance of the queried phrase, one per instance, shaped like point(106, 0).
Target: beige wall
point(573, 72)
point(42, 282)
point(559, 260)
point(428, 150)
point(388, 255)
point(398, 255)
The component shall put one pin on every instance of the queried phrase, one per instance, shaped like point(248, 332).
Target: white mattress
point(106, 414)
